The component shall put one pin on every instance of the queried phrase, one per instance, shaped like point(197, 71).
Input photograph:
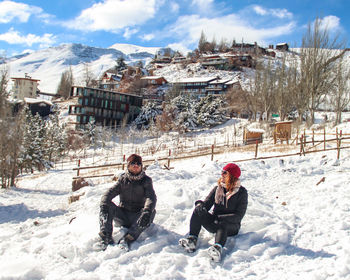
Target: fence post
point(338, 144)
point(212, 152)
point(78, 171)
point(324, 139)
point(313, 137)
point(169, 158)
point(297, 136)
point(301, 144)
point(256, 148)
point(123, 166)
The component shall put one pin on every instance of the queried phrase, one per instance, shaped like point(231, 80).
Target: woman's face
point(135, 167)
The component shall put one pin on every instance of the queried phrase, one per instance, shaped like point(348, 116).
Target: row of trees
point(183, 113)
point(27, 142)
point(300, 82)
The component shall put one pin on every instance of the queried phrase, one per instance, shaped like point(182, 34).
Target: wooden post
point(169, 158)
point(297, 137)
point(324, 139)
point(78, 171)
point(301, 144)
point(338, 144)
point(313, 137)
point(212, 152)
point(256, 148)
point(123, 166)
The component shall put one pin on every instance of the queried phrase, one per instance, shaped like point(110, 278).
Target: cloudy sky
point(35, 24)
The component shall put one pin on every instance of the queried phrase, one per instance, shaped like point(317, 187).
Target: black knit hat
point(134, 158)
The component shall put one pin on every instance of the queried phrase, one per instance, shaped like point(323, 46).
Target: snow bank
point(293, 229)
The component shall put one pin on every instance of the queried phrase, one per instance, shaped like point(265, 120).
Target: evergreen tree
point(121, 65)
point(33, 143)
point(148, 114)
point(55, 141)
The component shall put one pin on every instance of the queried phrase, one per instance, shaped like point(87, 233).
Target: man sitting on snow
point(136, 209)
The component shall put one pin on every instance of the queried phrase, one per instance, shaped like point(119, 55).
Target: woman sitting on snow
point(230, 202)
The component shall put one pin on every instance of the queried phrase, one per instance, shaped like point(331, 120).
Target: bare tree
point(66, 83)
point(267, 79)
point(3, 92)
point(340, 97)
point(88, 76)
point(202, 42)
point(317, 59)
point(253, 96)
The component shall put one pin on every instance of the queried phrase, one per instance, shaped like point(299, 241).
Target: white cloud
point(203, 5)
point(179, 47)
point(148, 37)
point(10, 10)
point(129, 32)
point(189, 28)
point(330, 23)
point(174, 7)
point(14, 37)
point(113, 15)
point(279, 13)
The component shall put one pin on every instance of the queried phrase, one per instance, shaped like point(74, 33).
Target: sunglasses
point(135, 163)
point(224, 172)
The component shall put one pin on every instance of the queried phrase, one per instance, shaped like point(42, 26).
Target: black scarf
point(133, 177)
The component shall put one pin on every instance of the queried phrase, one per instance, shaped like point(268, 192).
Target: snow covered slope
point(47, 65)
point(133, 49)
point(294, 228)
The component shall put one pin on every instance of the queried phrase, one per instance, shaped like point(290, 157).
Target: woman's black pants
point(210, 223)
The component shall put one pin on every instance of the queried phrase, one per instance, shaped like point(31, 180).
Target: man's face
point(135, 167)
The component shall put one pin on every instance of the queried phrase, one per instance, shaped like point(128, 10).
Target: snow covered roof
point(196, 80)
point(152, 77)
point(221, 81)
point(257, 130)
point(37, 100)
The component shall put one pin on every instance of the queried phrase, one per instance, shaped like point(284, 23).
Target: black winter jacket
point(134, 195)
point(236, 206)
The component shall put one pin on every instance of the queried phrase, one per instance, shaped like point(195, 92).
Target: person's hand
point(144, 219)
point(200, 208)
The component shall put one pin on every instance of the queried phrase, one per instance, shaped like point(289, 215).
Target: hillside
point(47, 65)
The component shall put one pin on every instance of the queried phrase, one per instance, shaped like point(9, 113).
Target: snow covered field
point(293, 228)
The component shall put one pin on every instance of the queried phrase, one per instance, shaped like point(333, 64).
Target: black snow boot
point(125, 242)
point(106, 239)
point(189, 243)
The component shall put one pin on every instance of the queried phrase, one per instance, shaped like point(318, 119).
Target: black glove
point(200, 208)
point(145, 219)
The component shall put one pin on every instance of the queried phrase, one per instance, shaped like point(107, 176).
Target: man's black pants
point(121, 218)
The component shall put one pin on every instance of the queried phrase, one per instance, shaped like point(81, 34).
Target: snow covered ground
point(293, 228)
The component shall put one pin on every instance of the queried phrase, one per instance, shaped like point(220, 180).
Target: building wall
point(24, 88)
point(105, 108)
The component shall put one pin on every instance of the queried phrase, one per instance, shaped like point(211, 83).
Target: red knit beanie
point(134, 158)
point(233, 169)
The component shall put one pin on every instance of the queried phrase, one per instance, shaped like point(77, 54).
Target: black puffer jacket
point(236, 206)
point(135, 195)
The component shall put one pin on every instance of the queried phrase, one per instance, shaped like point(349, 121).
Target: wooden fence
point(305, 147)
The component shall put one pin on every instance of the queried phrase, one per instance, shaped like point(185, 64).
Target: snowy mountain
point(129, 49)
point(47, 65)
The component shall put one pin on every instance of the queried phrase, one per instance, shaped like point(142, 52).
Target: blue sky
point(36, 24)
